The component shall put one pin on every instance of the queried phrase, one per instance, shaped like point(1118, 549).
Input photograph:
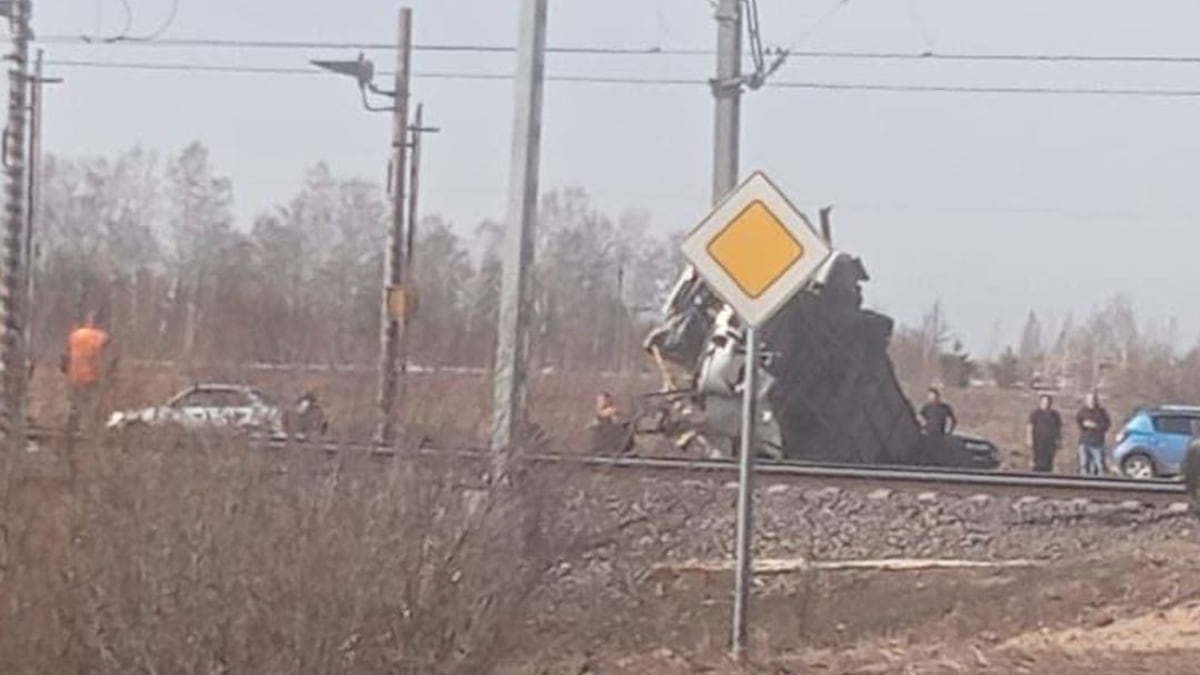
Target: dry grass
point(450, 409)
point(189, 557)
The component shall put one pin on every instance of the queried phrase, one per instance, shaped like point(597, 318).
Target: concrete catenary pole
point(12, 248)
point(512, 345)
point(392, 359)
point(727, 89)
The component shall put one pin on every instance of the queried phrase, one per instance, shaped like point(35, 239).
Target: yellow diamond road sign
point(756, 250)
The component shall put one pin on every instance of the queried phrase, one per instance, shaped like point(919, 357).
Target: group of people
point(1043, 430)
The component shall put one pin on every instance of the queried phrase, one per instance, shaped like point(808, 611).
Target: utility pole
point(12, 251)
point(391, 349)
point(33, 197)
point(512, 348)
point(414, 188)
point(418, 130)
point(727, 90)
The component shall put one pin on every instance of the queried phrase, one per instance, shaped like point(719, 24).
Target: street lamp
point(363, 72)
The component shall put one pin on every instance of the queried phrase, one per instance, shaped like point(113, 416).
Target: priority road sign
point(756, 250)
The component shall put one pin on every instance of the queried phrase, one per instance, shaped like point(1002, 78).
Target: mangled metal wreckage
point(828, 390)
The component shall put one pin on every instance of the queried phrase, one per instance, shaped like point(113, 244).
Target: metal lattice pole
point(12, 249)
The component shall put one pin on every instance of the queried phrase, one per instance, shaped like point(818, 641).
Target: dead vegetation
point(182, 556)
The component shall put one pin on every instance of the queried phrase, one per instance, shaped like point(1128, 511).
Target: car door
point(266, 413)
point(239, 409)
point(1171, 441)
point(194, 409)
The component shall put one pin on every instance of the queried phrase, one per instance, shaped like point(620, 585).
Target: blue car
point(1154, 441)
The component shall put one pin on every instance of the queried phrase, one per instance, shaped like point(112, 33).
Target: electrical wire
point(124, 37)
point(114, 38)
point(825, 18)
point(651, 81)
point(162, 27)
point(219, 43)
point(631, 51)
point(754, 32)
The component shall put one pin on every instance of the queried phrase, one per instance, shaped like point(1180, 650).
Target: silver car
point(210, 407)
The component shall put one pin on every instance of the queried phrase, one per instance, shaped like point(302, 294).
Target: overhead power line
point(649, 81)
point(124, 36)
point(632, 51)
point(217, 43)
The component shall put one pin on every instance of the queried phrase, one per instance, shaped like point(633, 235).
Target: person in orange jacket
point(87, 363)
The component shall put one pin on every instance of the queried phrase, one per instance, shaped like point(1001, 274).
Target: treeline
point(154, 246)
point(1109, 348)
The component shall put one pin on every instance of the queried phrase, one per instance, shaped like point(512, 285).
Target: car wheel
point(1138, 465)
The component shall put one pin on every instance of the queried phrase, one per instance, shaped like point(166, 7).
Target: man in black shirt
point(937, 418)
point(1045, 434)
point(1093, 424)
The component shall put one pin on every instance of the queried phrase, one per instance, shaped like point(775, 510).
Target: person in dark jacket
point(1093, 424)
point(1044, 432)
point(937, 422)
point(937, 418)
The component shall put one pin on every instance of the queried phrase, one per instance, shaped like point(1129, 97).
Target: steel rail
point(940, 480)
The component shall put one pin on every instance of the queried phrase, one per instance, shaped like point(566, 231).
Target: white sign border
point(756, 311)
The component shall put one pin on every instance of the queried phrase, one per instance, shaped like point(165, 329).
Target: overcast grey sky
point(993, 203)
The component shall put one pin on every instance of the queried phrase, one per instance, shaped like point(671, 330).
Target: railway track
point(854, 477)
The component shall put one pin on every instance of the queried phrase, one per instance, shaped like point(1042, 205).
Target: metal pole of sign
point(745, 505)
point(727, 90)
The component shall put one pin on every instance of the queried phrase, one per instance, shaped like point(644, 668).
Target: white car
point(210, 407)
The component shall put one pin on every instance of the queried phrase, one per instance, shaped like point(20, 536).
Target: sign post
point(745, 498)
point(755, 250)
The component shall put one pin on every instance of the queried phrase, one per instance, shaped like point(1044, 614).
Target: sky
point(995, 204)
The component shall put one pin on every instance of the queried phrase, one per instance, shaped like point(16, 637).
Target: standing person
point(1044, 432)
point(1093, 424)
point(86, 366)
point(937, 418)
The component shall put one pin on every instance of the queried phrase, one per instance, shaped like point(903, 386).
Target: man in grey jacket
point(1093, 424)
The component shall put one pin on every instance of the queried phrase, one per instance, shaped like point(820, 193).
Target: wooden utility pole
point(414, 190)
point(33, 197)
point(512, 348)
point(392, 359)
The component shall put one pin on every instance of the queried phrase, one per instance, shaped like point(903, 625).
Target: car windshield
point(265, 397)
